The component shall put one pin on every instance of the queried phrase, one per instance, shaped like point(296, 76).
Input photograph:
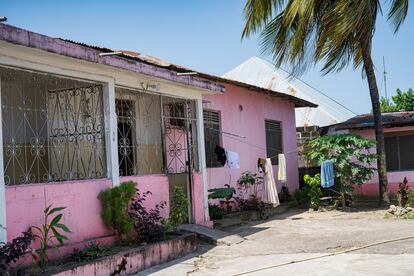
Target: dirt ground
point(299, 234)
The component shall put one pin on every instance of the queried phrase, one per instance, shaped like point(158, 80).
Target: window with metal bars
point(274, 143)
point(400, 152)
point(212, 137)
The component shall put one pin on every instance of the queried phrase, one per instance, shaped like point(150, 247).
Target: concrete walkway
point(300, 234)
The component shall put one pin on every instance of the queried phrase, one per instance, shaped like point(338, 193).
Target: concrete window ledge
point(135, 260)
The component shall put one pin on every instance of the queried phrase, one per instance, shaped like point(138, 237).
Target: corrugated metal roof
point(366, 121)
point(180, 69)
point(259, 72)
point(165, 64)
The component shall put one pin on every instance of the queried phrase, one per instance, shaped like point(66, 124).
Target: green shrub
point(91, 252)
point(315, 191)
point(216, 212)
point(301, 195)
point(179, 208)
point(115, 203)
point(410, 199)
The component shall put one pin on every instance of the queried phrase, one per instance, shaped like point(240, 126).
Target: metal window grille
point(140, 143)
point(53, 128)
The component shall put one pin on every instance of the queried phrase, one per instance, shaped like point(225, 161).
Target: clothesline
point(230, 135)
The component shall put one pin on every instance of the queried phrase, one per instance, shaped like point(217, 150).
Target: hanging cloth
point(281, 169)
point(233, 159)
point(327, 174)
point(269, 194)
point(261, 165)
point(221, 155)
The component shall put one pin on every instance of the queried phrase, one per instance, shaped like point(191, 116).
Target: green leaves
point(48, 232)
point(315, 191)
point(218, 193)
point(115, 203)
point(305, 32)
point(351, 155)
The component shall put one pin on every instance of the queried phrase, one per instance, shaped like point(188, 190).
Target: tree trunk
point(379, 131)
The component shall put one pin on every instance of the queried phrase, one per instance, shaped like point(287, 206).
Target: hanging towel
point(221, 155)
point(327, 173)
point(269, 194)
point(261, 165)
point(233, 159)
point(281, 168)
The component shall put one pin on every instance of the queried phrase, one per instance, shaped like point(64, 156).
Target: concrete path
point(300, 234)
point(213, 236)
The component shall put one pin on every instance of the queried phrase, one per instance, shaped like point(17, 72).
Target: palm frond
point(398, 12)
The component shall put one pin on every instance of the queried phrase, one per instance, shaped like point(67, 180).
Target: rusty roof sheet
point(23, 37)
point(366, 121)
point(180, 69)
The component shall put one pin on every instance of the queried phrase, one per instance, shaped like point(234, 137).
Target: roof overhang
point(92, 54)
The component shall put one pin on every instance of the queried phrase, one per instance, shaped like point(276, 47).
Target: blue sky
point(203, 35)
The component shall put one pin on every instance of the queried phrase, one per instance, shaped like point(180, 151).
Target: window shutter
point(274, 144)
point(391, 152)
point(212, 136)
point(406, 146)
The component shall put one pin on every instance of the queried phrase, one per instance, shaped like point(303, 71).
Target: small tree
point(402, 101)
point(351, 156)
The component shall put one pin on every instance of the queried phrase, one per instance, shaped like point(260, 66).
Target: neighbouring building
point(259, 72)
point(254, 122)
point(78, 119)
point(399, 147)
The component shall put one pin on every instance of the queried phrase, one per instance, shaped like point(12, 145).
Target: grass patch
point(409, 215)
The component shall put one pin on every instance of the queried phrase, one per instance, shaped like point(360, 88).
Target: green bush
point(301, 195)
point(179, 208)
point(115, 203)
point(410, 199)
point(91, 252)
point(315, 191)
point(216, 212)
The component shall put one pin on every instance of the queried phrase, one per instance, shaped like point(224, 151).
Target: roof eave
point(58, 46)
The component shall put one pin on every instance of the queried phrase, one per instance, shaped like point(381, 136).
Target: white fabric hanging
point(233, 159)
point(281, 168)
point(269, 192)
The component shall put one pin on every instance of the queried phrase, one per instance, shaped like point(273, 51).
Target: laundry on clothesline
point(281, 170)
point(269, 194)
point(261, 165)
point(233, 159)
point(221, 155)
point(327, 174)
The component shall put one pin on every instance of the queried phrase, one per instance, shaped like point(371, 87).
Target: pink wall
point(25, 204)
point(250, 122)
point(394, 178)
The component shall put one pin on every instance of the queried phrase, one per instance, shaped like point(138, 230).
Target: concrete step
point(214, 236)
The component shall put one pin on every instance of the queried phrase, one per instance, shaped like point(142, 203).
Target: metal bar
point(3, 205)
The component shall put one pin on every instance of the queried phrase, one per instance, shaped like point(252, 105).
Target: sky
point(205, 36)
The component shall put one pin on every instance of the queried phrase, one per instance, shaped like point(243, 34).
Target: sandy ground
point(299, 234)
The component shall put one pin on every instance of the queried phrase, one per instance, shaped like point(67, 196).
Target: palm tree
point(337, 33)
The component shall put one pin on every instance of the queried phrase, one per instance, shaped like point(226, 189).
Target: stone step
point(214, 236)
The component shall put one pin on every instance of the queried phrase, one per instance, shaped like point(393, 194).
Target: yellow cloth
point(281, 168)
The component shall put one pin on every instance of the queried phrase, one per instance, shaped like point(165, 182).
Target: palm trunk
point(379, 131)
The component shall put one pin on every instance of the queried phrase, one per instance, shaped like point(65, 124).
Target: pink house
point(78, 119)
point(399, 147)
point(255, 123)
